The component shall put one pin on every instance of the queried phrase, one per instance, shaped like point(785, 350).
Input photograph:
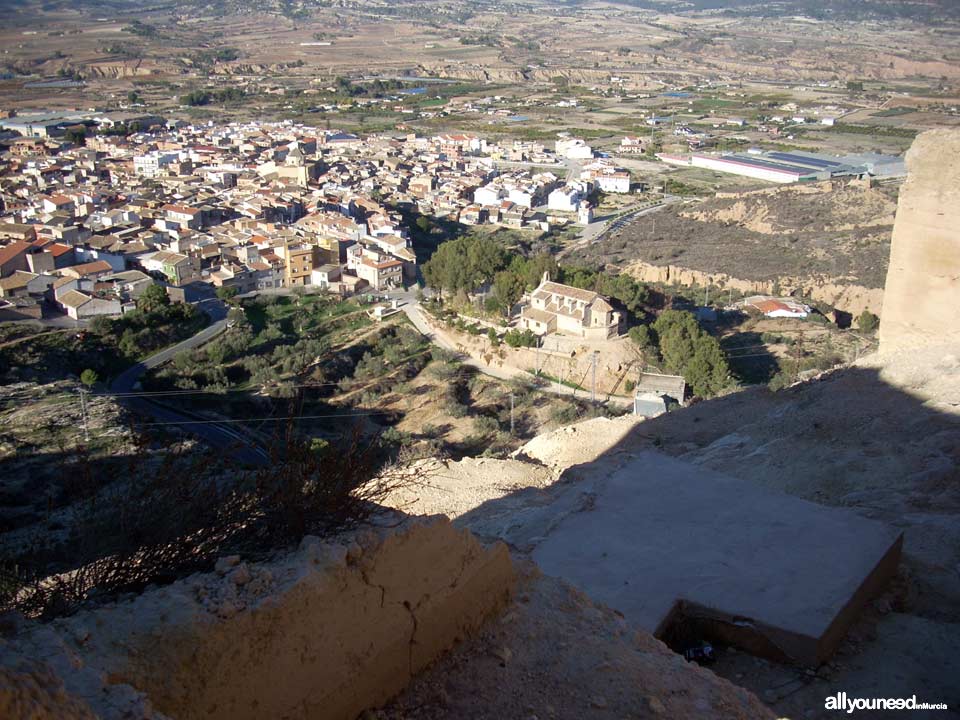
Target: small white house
point(777, 307)
point(616, 182)
point(565, 199)
point(488, 195)
point(574, 149)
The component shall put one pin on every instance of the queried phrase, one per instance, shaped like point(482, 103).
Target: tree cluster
point(197, 98)
point(155, 324)
point(464, 264)
point(686, 349)
point(630, 293)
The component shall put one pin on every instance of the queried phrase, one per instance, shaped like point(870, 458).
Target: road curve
point(414, 312)
point(219, 436)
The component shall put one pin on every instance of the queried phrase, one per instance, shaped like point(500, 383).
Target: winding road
point(414, 311)
point(219, 436)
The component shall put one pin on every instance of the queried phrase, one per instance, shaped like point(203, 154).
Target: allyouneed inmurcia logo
point(843, 702)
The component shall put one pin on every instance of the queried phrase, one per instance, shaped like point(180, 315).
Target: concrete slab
point(652, 536)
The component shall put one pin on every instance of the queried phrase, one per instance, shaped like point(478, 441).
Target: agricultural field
point(596, 69)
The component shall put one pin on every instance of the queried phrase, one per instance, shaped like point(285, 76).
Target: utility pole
point(593, 390)
point(796, 370)
point(83, 411)
point(511, 414)
point(706, 296)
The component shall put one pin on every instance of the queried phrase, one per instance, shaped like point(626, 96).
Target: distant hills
point(924, 11)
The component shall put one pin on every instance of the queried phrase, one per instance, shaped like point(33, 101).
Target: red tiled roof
point(180, 209)
point(90, 268)
point(9, 252)
point(55, 249)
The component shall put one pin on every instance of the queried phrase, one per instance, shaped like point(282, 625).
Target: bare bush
point(173, 515)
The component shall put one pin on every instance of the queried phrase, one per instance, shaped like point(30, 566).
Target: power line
point(226, 421)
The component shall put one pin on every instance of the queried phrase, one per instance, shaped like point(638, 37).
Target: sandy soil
point(554, 654)
point(882, 437)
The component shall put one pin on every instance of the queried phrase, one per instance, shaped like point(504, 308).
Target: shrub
point(392, 436)
point(429, 431)
point(486, 425)
point(174, 515)
point(226, 293)
point(868, 322)
point(520, 338)
point(455, 408)
point(689, 351)
point(445, 370)
point(564, 414)
point(642, 336)
point(780, 381)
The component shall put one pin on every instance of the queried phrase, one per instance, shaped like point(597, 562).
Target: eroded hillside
point(834, 231)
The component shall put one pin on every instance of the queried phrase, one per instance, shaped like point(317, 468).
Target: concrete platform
point(656, 538)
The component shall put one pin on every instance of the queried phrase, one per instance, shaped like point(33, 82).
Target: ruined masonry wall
point(922, 295)
point(325, 632)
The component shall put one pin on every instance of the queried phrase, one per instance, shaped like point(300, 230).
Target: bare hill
point(831, 232)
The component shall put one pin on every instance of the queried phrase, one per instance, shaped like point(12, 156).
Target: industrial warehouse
point(782, 167)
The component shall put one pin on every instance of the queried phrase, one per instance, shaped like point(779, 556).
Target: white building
point(488, 195)
point(556, 308)
point(565, 199)
point(585, 213)
point(79, 305)
point(633, 144)
point(777, 307)
point(574, 149)
point(522, 196)
point(616, 182)
point(152, 163)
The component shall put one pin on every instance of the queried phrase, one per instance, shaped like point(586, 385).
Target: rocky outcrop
point(922, 293)
point(327, 631)
point(110, 69)
point(851, 298)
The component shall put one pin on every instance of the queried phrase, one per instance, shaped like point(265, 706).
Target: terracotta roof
point(381, 265)
point(9, 252)
point(180, 209)
point(55, 249)
point(586, 296)
point(90, 268)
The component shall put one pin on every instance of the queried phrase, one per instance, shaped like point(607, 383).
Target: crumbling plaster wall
point(324, 632)
point(922, 294)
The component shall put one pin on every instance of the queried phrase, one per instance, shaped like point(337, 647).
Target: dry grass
point(175, 514)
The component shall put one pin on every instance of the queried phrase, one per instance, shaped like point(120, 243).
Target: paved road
point(413, 310)
point(596, 230)
point(219, 436)
point(215, 310)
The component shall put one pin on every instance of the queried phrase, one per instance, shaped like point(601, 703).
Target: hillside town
point(382, 360)
point(88, 223)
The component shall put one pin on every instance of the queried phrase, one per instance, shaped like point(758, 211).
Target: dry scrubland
point(523, 50)
point(832, 230)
